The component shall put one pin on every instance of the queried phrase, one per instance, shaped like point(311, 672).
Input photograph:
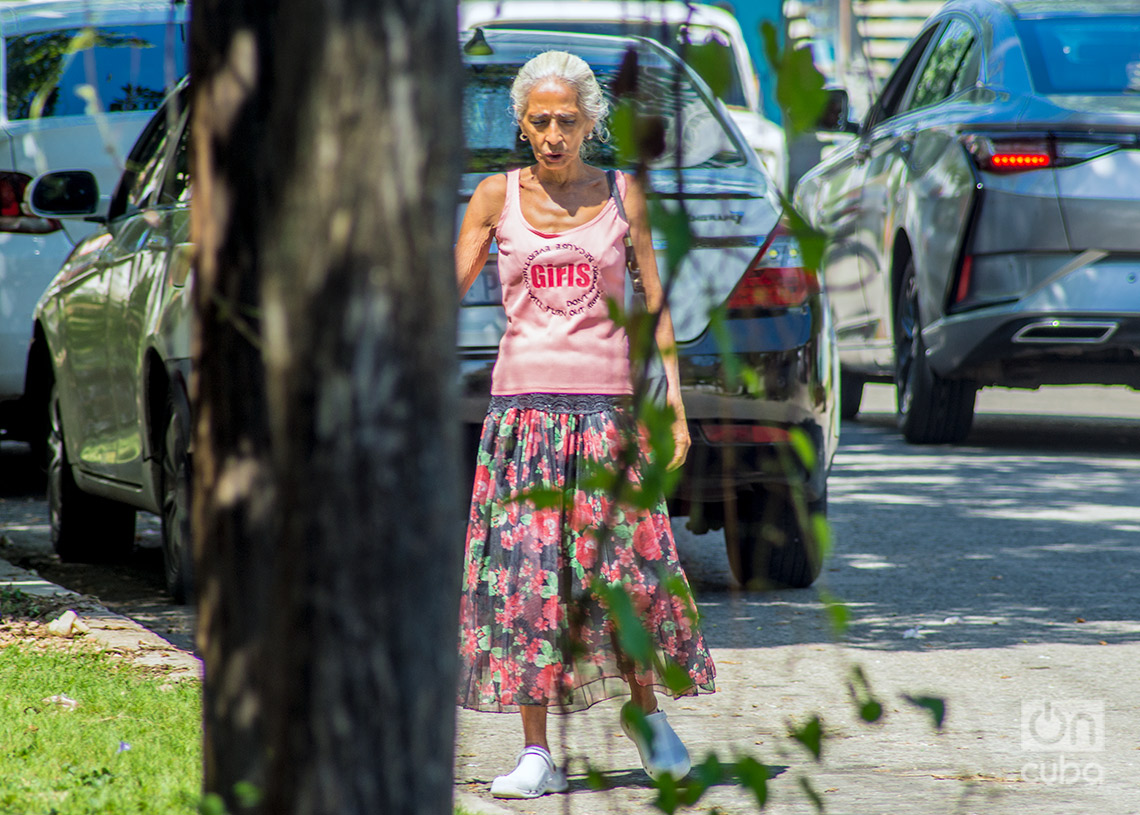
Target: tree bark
point(327, 539)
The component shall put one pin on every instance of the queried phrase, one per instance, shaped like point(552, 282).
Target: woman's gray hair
point(564, 67)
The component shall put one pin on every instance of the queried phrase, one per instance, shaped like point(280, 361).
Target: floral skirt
point(536, 626)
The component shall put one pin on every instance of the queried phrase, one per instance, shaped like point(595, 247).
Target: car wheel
point(850, 394)
point(84, 528)
point(931, 410)
point(769, 546)
point(177, 554)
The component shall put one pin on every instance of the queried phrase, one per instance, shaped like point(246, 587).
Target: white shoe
point(535, 775)
point(664, 753)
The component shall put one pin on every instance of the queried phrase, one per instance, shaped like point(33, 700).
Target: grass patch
point(131, 744)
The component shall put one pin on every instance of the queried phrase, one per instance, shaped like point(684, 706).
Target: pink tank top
point(559, 336)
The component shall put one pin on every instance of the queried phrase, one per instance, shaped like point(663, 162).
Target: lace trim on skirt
point(570, 403)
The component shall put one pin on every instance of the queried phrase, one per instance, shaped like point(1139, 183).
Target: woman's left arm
point(638, 213)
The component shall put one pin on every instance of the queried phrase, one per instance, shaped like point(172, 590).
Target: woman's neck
point(560, 177)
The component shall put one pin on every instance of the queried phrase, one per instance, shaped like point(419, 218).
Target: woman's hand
point(681, 440)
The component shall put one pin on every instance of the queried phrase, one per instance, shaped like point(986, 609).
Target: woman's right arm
point(478, 227)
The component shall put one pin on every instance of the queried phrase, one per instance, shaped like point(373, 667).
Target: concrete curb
point(112, 632)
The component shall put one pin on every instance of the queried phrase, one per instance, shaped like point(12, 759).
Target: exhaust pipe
point(1072, 332)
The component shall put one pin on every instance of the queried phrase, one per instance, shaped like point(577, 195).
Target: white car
point(673, 23)
point(81, 79)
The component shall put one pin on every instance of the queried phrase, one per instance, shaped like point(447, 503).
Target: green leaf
point(936, 705)
point(596, 779)
point(871, 711)
point(248, 795)
point(668, 798)
point(713, 62)
point(812, 241)
point(673, 223)
point(632, 636)
point(803, 447)
point(212, 804)
point(677, 679)
point(622, 123)
point(838, 613)
point(810, 735)
point(754, 776)
point(810, 792)
point(799, 84)
point(539, 498)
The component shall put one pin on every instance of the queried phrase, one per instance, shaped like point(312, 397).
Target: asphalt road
point(1001, 575)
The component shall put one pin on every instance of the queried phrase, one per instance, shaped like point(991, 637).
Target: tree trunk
point(327, 539)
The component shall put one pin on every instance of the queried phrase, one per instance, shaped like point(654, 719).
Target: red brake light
point(12, 215)
point(776, 277)
point(1010, 155)
point(1020, 161)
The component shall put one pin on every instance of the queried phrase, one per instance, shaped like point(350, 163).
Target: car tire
point(177, 551)
point(930, 409)
point(84, 528)
point(850, 394)
point(769, 546)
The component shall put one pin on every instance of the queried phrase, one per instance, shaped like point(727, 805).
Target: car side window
point(140, 177)
point(939, 75)
point(890, 100)
point(176, 179)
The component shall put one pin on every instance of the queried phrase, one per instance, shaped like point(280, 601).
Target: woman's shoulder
point(490, 196)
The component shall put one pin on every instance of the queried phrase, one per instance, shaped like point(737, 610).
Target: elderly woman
point(534, 631)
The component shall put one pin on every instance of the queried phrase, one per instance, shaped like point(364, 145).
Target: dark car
point(744, 273)
point(983, 220)
point(111, 353)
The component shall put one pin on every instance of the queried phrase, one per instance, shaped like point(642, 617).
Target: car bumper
point(1071, 321)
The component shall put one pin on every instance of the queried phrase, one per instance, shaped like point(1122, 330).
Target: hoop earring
point(522, 137)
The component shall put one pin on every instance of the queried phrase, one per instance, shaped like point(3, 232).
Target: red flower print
point(645, 540)
point(582, 516)
point(482, 485)
point(587, 551)
point(552, 612)
point(547, 680)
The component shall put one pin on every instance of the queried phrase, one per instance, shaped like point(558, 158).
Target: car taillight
point(965, 278)
point(1010, 155)
point(13, 218)
point(744, 434)
point(776, 277)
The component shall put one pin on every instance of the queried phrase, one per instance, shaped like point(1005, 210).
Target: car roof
point(46, 15)
point(510, 45)
point(672, 11)
point(1067, 8)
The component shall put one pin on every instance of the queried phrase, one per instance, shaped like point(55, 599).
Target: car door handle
point(157, 242)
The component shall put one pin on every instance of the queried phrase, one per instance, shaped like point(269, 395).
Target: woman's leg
point(534, 726)
point(641, 695)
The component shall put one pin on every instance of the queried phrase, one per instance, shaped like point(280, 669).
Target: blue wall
point(751, 13)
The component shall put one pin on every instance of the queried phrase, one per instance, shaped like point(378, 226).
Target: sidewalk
point(111, 632)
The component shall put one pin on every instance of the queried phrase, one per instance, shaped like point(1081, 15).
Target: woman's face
point(554, 125)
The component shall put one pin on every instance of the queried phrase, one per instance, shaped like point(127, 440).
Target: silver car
point(984, 219)
point(80, 79)
point(111, 353)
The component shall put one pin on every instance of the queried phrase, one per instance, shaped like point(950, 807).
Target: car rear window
point(493, 136)
point(1083, 55)
point(128, 67)
point(672, 35)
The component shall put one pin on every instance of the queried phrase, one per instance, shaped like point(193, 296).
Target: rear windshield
point(127, 67)
point(493, 143)
point(1083, 55)
point(670, 34)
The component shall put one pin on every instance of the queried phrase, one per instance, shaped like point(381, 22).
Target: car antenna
point(478, 46)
